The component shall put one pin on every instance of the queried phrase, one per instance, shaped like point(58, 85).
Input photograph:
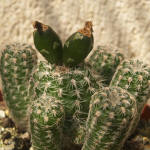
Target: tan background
point(122, 23)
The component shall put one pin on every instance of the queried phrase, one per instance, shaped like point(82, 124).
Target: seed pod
point(78, 45)
point(47, 42)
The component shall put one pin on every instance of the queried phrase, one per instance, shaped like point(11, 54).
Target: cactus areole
point(78, 45)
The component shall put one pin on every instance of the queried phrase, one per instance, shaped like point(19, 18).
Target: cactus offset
point(111, 115)
point(103, 62)
point(134, 76)
point(16, 64)
point(46, 123)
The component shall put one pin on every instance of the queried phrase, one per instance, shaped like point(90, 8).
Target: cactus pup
point(16, 64)
point(111, 115)
point(134, 76)
point(103, 62)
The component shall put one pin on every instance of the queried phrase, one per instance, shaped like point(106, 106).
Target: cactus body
point(103, 62)
point(73, 87)
point(47, 42)
point(78, 46)
point(16, 64)
point(46, 121)
point(111, 116)
point(134, 76)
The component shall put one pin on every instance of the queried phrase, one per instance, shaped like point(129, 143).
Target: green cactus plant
point(93, 103)
point(73, 87)
point(111, 114)
point(103, 62)
point(16, 64)
point(46, 121)
point(78, 45)
point(134, 76)
point(47, 42)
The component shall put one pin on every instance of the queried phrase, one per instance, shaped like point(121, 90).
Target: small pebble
point(7, 112)
point(31, 148)
point(25, 135)
point(2, 114)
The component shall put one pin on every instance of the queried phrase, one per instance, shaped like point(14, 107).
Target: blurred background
point(124, 24)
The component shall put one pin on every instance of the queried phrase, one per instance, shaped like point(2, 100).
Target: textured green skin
point(46, 123)
point(134, 76)
point(103, 62)
point(16, 64)
point(72, 87)
point(76, 48)
point(111, 115)
point(49, 45)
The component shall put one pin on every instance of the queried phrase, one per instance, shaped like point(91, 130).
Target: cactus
point(134, 76)
point(73, 87)
point(46, 121)
point(78, 46)
point(16, 64)
point(92, 104)
point(111, 115)
point(47, 43)
point(103, 62)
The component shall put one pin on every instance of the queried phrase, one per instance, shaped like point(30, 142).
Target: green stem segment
point(46, 121)
point(134, 76)
point(16, 64)
point(103, 62)
point(111, 116)
point(73, 87)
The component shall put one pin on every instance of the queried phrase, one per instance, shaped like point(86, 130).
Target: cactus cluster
point(73, 98)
